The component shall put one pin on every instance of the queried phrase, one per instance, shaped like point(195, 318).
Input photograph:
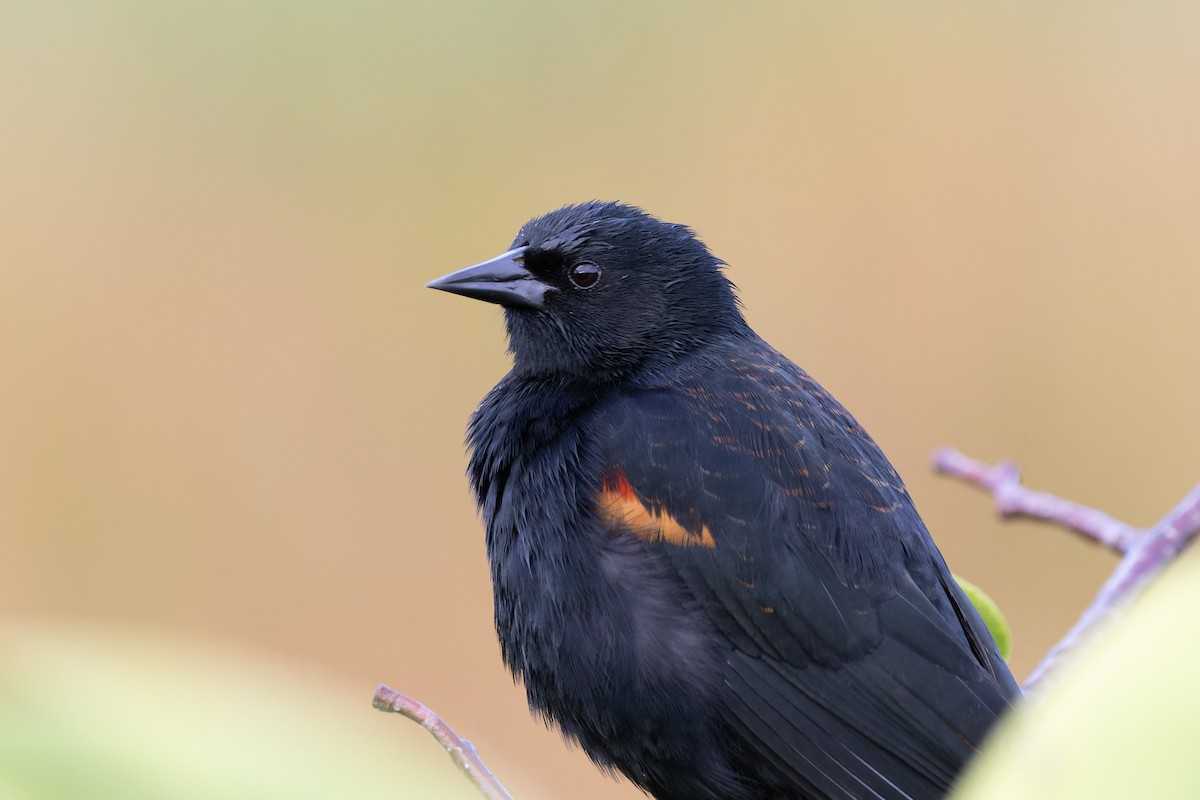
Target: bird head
point(599, 291)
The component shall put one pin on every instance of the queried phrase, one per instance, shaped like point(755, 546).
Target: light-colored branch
point(1145, 553)
point(1013, 500)
point(462, 752)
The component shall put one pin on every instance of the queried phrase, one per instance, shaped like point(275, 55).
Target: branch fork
point(1145, 553)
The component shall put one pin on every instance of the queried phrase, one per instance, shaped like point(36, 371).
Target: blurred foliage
point(1122, 718)
point(91, 714)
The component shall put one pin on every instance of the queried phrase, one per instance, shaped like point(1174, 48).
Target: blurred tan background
point(229, 410)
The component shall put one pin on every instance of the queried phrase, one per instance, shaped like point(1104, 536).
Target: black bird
point(705, 571)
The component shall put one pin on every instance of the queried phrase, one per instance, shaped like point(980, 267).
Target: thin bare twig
point(462, 752)
point(1013, 500)
point(1145, 553)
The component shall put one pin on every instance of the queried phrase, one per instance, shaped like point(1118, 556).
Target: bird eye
point(584, 275)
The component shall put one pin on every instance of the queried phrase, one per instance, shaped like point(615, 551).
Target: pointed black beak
point(502, 280)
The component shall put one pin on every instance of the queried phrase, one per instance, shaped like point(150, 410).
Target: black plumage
point(705, 570)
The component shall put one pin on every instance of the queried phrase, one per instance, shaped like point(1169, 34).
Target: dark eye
point(584, 275)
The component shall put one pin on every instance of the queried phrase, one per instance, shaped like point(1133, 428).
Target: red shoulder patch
point(619, 506)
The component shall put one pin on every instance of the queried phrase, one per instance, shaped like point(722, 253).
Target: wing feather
point(853, 663)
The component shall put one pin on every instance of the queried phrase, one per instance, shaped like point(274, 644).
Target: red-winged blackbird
point(705, 570)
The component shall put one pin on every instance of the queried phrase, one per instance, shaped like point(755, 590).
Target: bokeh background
point(231, 415)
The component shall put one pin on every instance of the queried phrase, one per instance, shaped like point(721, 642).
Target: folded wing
point(855, 667)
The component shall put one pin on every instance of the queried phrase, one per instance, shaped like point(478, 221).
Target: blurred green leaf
point(1121, 719)
point(94, 713)
point(993, 617)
